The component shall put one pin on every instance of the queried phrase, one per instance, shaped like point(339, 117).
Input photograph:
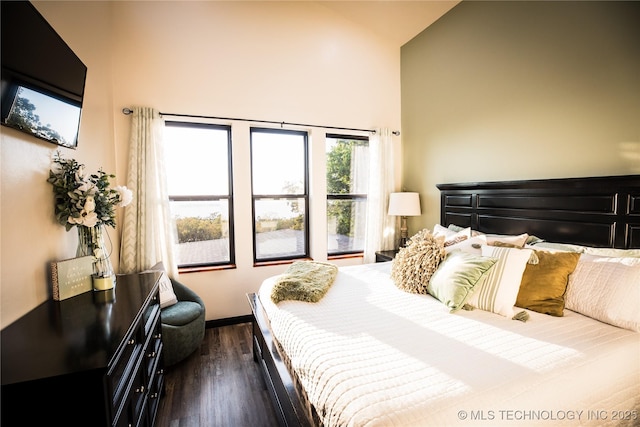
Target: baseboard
point(216, 323)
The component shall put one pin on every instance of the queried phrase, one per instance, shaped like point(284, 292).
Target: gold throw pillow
point(544, 284)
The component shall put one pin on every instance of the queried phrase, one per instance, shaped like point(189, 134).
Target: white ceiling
point(398, 21)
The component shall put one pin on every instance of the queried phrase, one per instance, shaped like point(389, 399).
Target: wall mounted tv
point(42, 79)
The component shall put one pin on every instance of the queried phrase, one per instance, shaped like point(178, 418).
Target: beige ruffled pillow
point(414, 264)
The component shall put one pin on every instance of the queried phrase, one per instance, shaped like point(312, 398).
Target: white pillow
point(499, 291)
point(167, 296)
point(606, 289)
point(617, 253)
point(514, 240)
point(439, 230)
point(557, 246)
point(451, 237)
point(569, 247)
point(471, 245)
point(518, 240)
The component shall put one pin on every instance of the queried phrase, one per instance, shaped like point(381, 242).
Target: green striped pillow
point(456, 278)
point(499, 291)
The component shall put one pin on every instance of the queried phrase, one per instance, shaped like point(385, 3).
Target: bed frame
point(599, 212)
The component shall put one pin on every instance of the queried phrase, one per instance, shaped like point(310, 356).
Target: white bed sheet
point(369, 354)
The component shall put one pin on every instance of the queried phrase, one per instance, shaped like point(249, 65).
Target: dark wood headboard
point(598, 211)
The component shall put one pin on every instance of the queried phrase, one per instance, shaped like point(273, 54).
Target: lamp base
point(403, 232)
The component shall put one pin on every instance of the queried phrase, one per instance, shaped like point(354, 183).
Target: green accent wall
point(520, 90)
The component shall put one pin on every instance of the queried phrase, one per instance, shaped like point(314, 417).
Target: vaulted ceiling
point(397, 21)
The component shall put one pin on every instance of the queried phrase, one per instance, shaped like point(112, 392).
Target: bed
point(368, 353)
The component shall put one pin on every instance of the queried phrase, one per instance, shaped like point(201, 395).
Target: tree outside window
point(347, 160)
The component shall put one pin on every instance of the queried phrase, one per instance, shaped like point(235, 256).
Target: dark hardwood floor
point(219, 385)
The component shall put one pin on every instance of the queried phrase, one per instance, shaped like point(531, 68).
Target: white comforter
point(369, 354)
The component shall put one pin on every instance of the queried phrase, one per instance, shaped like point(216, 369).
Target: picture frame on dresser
point(71, 277)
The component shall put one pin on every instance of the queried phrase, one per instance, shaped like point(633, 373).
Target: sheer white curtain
point(380, 226)
point(147, 236)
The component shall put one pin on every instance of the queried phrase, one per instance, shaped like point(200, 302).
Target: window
point(198, 164)
point(347, 187)
point(280, 194)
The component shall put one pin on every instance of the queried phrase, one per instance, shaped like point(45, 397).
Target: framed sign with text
point(71, 277)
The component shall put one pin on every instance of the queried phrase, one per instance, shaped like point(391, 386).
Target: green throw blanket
point(304, 281)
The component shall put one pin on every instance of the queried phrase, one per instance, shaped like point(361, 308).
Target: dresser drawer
point(150, 313)
point(119, 376)
point(155, 392)
point(133, 402)
point(139, 400)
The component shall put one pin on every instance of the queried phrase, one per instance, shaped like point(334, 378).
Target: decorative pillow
point(471, 245)
point(606, 289)
point(499, 291)
point(517, 241)
point(544, 284)
point(167, 296)
point(414, 264)
point(451, 237)
point(457, 276)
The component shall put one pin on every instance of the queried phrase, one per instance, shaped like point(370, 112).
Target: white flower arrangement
point(83, 199)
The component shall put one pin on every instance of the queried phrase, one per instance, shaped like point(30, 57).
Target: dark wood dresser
point(91, 360)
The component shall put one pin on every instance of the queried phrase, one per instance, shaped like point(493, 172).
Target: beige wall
point(293, 62)
point(520, 90)
point(30, 236)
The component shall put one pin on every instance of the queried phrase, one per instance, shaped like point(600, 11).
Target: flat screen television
point(42, 78)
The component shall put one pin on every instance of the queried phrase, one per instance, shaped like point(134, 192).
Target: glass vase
point(91, 242)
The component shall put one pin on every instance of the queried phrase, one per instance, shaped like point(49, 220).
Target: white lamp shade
point(404, 204)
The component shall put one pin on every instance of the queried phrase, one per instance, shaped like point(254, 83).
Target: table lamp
point(403, 205)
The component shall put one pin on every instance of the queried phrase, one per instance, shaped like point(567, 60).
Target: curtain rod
point(128, 111)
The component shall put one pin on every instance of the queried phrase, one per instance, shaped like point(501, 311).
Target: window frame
point(304, 196)
point(211, 197)
point(348, 196)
